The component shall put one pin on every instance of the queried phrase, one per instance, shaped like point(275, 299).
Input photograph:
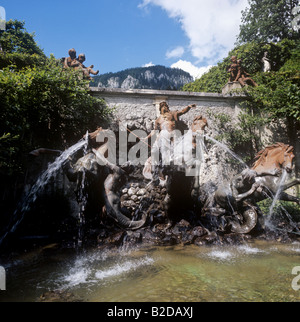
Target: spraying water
point(42, 181)
point(82, 196)
point(283, 210)
point(279, 190)
point(275, 199)
point(183, 149)
point(224, 147)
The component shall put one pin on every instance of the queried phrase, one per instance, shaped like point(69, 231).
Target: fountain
point(184, 191)
point(133, 197)
point(200, 199)
point(275, 199)
point(36, 189)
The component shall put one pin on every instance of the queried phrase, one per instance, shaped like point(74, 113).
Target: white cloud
point(175, 53)
point(149, 64)
point(211, 26)
point(194, 71)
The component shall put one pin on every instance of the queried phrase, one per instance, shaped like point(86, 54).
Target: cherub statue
point(238, 73)
point(86, 70)
point(233, 69)
point(243, 77)
point(77, 64)
point(71, 60)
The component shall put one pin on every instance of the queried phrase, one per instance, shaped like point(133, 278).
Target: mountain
point(153, 77)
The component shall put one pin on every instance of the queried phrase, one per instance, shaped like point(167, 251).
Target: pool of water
point(260, 271)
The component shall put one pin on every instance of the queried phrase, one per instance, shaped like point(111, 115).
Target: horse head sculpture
point(270, 165)
point(260, 182)
point(274, 158)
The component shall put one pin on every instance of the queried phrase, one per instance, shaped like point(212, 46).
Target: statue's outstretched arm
point(185, 110)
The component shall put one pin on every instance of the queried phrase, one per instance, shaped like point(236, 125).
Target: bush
point(251, 54)
point(43, 106)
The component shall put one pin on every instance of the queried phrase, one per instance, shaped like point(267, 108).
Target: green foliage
point(216, 78)
point(282, 209)
point(251, 54)
point(21, 60)
point(292, 65)
point(45, 106)
point(278, 93)
point(213, 81)
point(276, 97)
point(267, 21)
point(42, 105)
point(8, 150)
point(19, 47)
point(15, 39)
point(241, 136)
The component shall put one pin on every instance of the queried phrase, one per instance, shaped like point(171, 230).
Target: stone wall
point(140, 108)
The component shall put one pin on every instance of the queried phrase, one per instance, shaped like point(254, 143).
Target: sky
point(118, 34)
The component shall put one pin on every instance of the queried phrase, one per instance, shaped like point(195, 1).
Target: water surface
point(260, 271)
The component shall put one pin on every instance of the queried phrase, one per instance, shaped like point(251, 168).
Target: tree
point(275, 100)
point(44, 106)
point(267, 21)
point(251, 54)
point(278, 96)
point(16, 39)
point(19, 47)
point(41, 103)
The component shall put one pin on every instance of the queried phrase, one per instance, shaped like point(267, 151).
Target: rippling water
point(259, 271)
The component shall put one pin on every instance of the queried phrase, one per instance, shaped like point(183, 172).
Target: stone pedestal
point(230, 86)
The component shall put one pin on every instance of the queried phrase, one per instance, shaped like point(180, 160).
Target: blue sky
point(120, 34)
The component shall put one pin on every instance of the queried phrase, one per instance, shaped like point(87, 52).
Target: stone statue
point(86, 70)
point(166, 125)
point(238, 76)
point(243, 77)
point(233, 70)
point(71, 60)
point(168, 120)
point(199, 124)
point(238, 73)
point(99, 183)
point(77, 64)
point(266, 63)
point(240, 195)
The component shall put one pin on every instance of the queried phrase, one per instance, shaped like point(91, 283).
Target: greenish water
point(260, 271)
